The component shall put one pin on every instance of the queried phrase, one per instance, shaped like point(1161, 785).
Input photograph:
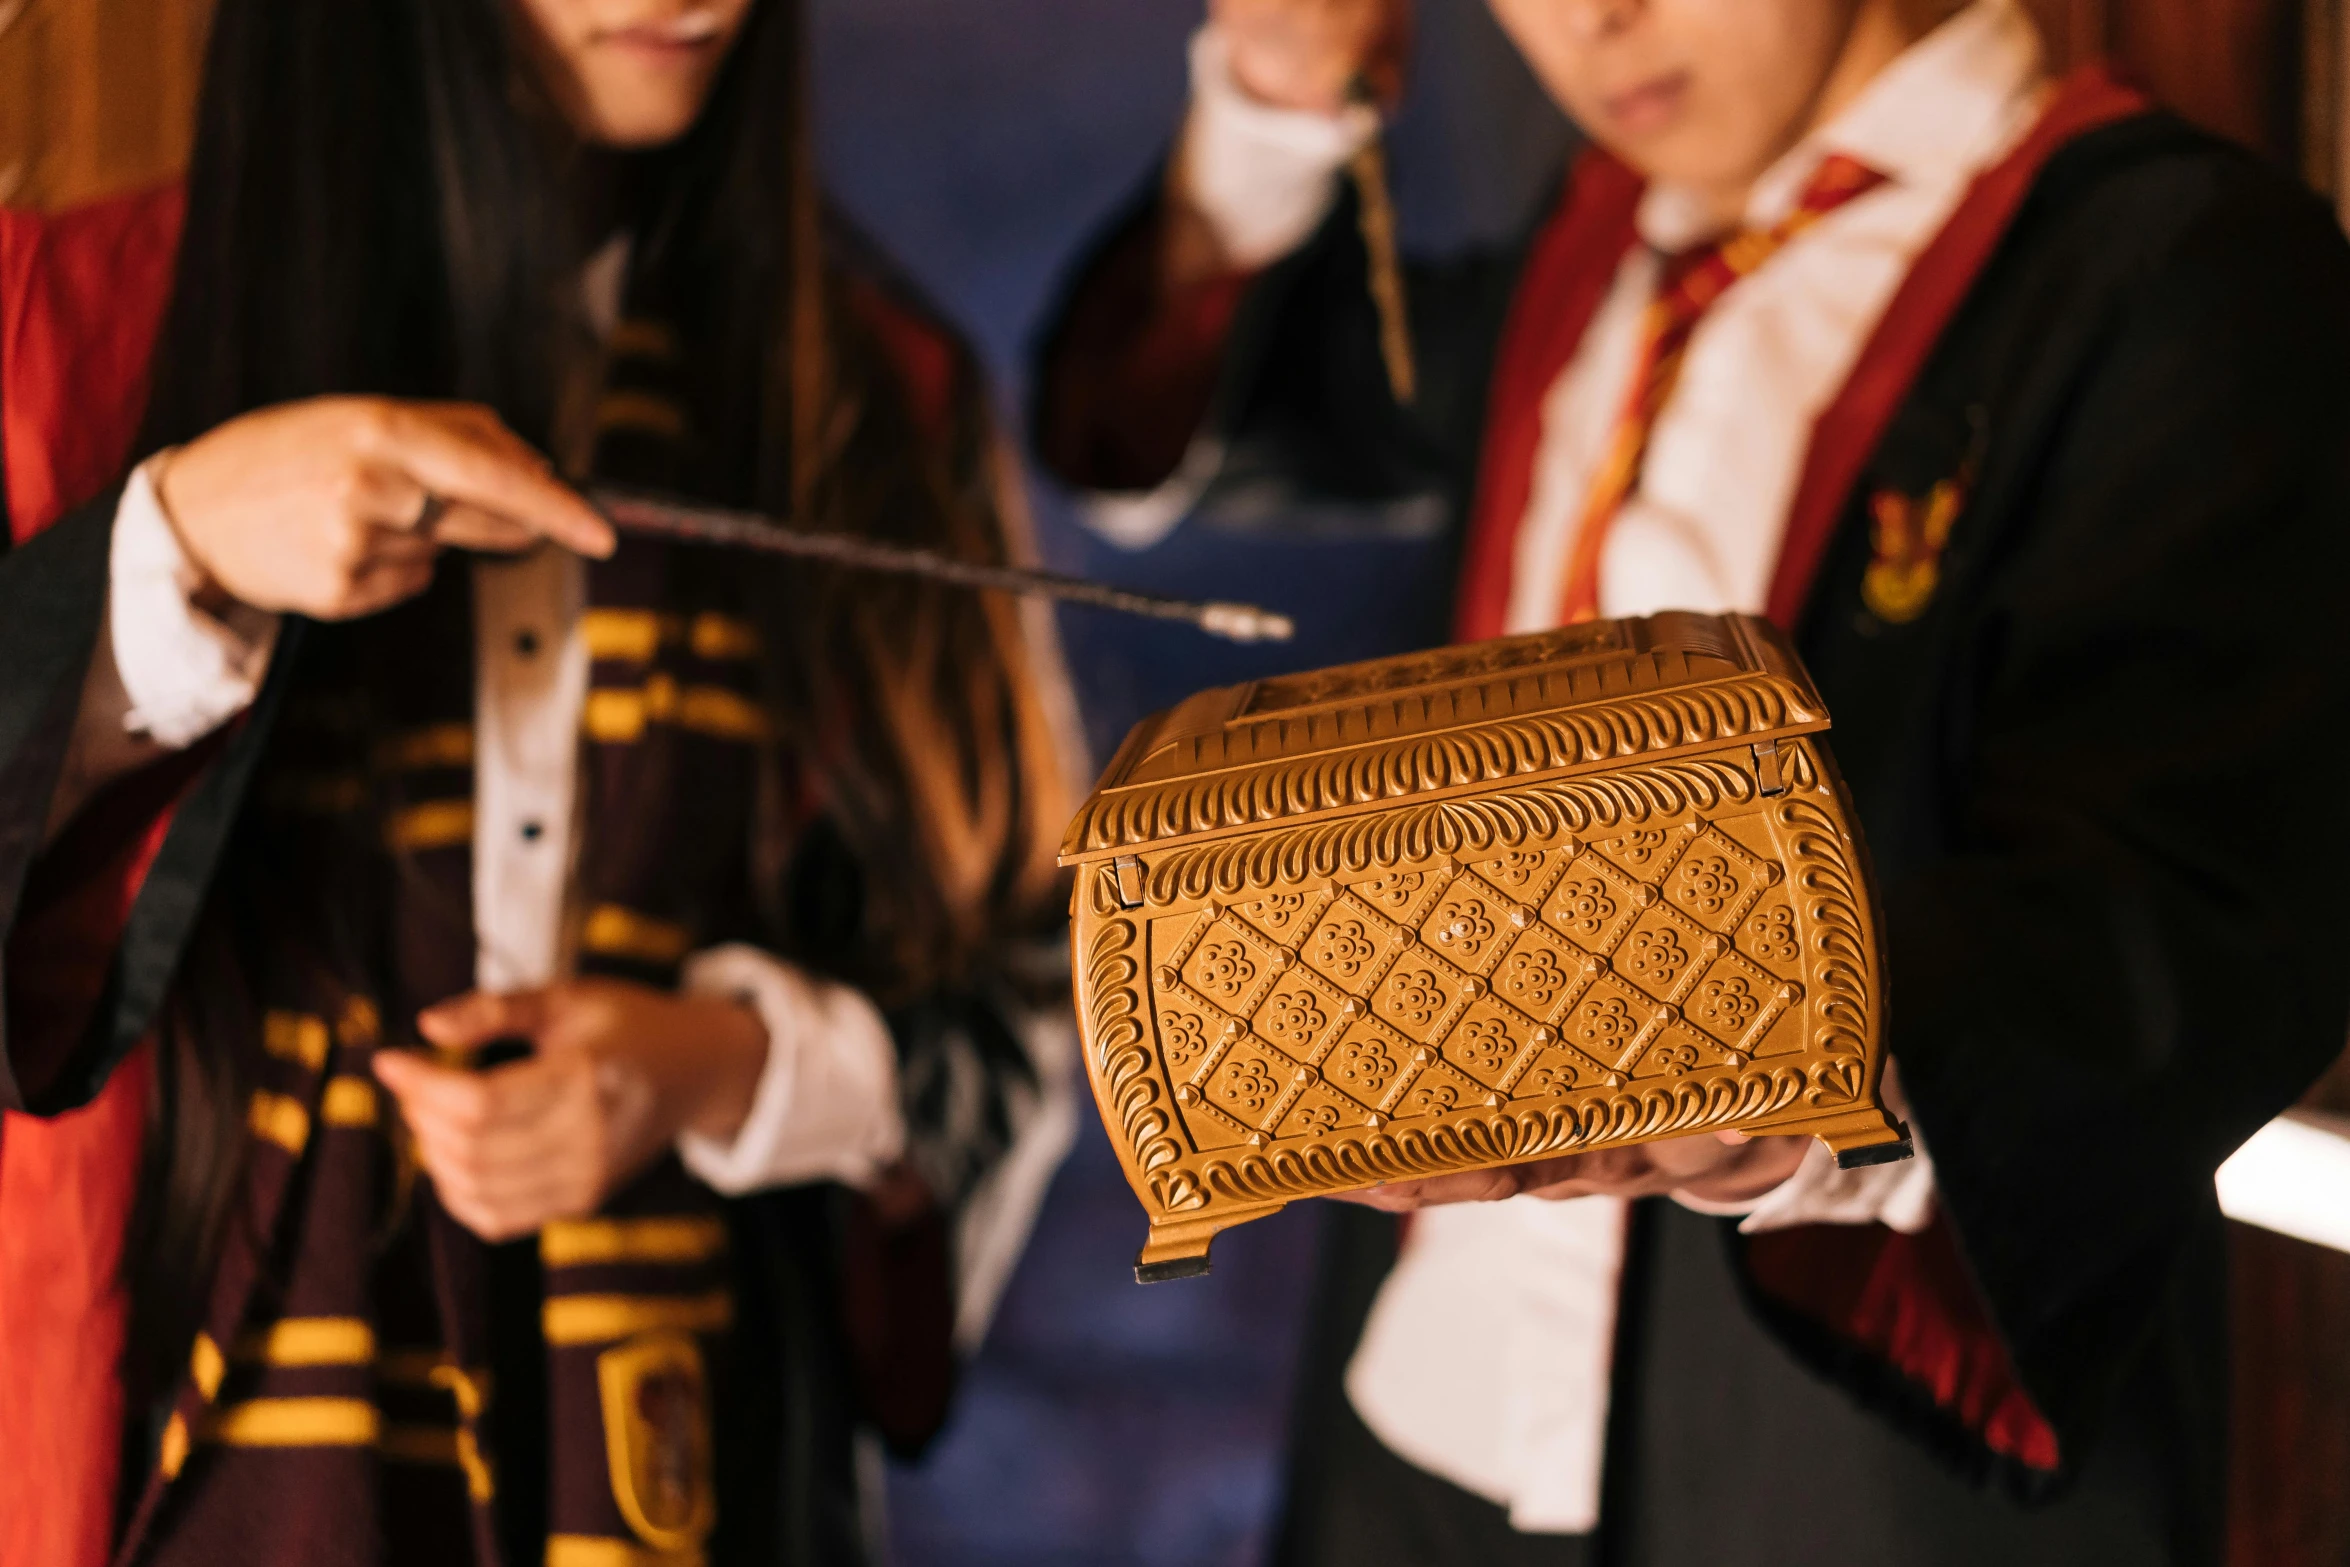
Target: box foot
point(1859, 1137)
point(1178, 1249)
point(1172, 1269)
point(1877, 1153)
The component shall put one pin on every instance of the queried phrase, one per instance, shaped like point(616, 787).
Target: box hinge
point(1126, 876)
point(1766, 768)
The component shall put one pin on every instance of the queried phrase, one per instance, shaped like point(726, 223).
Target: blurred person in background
point(2026, 410)
point(504, 1024)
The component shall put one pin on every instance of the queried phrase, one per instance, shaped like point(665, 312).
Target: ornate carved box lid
point(1362, 737)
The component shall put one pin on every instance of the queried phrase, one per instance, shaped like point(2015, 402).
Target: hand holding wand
point(653, 517)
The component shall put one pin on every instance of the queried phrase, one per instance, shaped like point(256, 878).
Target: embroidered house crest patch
point(1907, 535)
point(656, 1400)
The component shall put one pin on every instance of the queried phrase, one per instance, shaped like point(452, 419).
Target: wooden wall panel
point(2289, 1503)
point(2076, 29)
point(96, 96)
point(2233, 65)
point(2325, 99)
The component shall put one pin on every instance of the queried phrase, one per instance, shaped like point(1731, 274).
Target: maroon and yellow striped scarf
point(373, 1384)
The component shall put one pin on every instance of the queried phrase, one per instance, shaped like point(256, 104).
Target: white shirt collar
point(1943, 110)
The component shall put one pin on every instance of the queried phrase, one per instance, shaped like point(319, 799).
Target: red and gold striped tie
point(1690, 285)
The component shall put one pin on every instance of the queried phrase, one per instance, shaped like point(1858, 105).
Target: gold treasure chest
point(1457, 909)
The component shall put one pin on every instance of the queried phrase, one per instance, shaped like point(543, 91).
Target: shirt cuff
point(826, 1107)
point(185, 671)
point(1261, 176)
point(1899, 1196)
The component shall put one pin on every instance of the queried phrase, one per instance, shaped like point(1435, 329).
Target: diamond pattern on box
point(1348, 948)
point(1539, 974)
point(1418, 997)
point(1592, 903)
point(1226, 967)
point(1282, 917)
point(1657, 954)
point(1768, 936)
point(1366, 1063)
point(1295, 1017)
point(1641, 957)
point(1606, 1021)
point(1485, 1044)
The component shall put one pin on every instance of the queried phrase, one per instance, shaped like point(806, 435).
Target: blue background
point(983, 142)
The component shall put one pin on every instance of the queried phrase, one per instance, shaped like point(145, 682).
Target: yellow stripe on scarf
point(588, 1550)
point(294, 1422)
point(614, 932)
point(280, 1120)
point(296, 1036)
point(206, 1366)
point(573, 1243)
point(309, 1341)
point(621, 716)
point(436, 824)
point(440, 745)
point(452, 1447)
point(350, 1102)
point(635, 635)
point(601, 1319)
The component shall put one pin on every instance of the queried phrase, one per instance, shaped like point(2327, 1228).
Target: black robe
point(842, 1322)
point(2113, 911)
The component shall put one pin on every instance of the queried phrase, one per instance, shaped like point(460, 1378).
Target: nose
point(1591, 20)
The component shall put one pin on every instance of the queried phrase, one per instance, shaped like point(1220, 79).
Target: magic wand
point(653, 517)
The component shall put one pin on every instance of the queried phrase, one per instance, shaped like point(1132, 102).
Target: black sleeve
point(1301, 412)
point(2131, 954)
point(963, 1075)
point(52, 604)
point(1305, 395)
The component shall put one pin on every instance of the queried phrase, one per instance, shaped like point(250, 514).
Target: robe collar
point(1573, 262)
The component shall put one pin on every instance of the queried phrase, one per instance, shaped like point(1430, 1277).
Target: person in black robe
point(2060, 550)
point(506, 1026)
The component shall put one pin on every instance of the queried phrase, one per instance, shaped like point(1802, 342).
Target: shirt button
point(526, 643)
point(531, 832)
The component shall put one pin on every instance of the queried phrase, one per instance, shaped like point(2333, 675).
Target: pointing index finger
point(457, 455)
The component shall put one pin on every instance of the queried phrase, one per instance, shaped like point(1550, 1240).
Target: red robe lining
point(81, 300)
point(1131, 374)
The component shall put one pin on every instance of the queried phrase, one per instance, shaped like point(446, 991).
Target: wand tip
point(1245, 623)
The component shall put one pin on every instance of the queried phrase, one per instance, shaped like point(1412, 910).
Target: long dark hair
point(382, 199)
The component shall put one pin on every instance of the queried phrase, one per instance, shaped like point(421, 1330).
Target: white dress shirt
point(167, 673)
point(1523, 1423)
